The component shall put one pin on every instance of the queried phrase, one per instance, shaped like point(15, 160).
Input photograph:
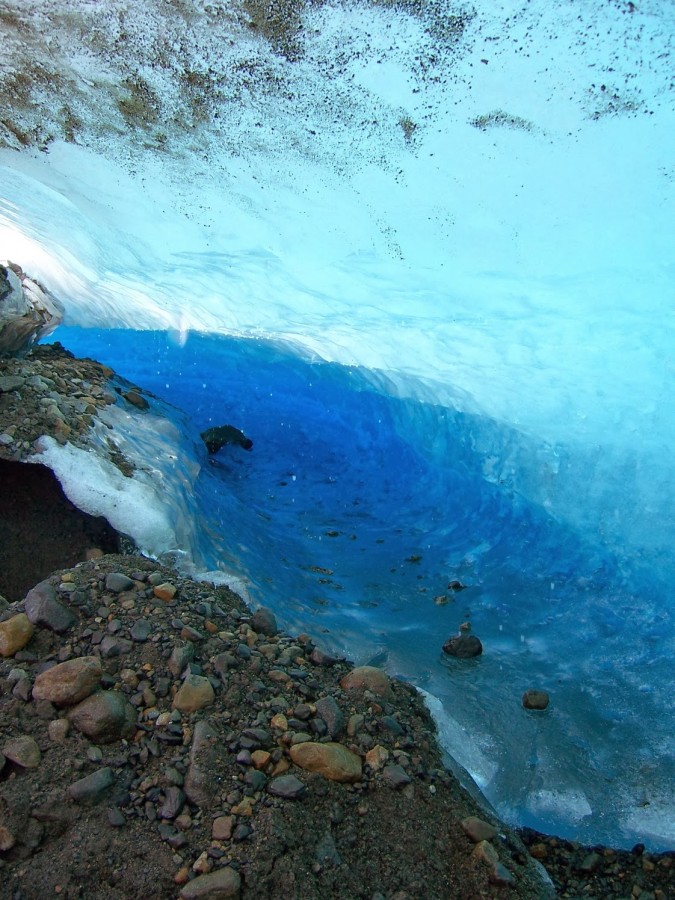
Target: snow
point(472, 219)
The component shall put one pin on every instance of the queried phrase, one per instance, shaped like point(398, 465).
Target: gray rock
point(477, 830)
point(181, 656)
point(264, 621)
point(287, 786)
point(104, 717)
point(28, 311)
point(464, 646)
point(174, 801)
point(500, 875)
point(396, 776)
point(332, 715)
point(91, 788)
point(141, 630)
point(23, 751)
point(118, 582)
point(10, 383)
point(200, 780)
point(112, 646)
point(43, 608)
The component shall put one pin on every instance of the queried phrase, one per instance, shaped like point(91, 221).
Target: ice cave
point(422, 252)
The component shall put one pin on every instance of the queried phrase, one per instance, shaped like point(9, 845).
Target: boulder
point(28, 312)
point(43, 608)
point(104, 717)
point(69, 682)
point(367, 678)
point(219, 436)
point(463, 646)
point(195, 693)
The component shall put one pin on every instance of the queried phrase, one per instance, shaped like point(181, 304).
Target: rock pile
point(142, 711)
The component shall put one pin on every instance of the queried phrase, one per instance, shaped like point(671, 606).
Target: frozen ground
point(470, 210)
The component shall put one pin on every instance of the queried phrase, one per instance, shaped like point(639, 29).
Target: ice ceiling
point(473, 203)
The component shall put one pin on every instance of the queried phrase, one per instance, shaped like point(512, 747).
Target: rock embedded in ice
point(463, 646)
point(534, 699)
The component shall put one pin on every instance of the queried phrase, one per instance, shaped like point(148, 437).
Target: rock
point(136, 399)
point(117, 582)
point(9, 383)
point(195, 693)
point(463, 646)
point(23, 751)
point(264, 621)
point(15, 634)
point(174, 801)
point(367, 678)
point(287, 786)
point(218, 437)
point(222, 828)
point(58, 730)
point(478, 830)
point(396, 776)
point(165, 591)
point(113, 646)
point(141, 630)
point(68, 682)
point(201, 779)
point(180, 657)
point(319, 658)
point(500, 875)
point(377, 757)
point(28, 312)
point(43, 608)
point(485, 852)
point(590, 862)
point(334, 761)
point(533, 699)
point(219, 885)
point(332, 715)
point(104, 717)
point(92, 787)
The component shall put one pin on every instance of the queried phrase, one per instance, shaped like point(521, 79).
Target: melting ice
point(423, 256)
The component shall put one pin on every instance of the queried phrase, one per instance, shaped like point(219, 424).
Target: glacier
point(424, 255)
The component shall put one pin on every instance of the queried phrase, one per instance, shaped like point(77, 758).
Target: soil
point(400, 830)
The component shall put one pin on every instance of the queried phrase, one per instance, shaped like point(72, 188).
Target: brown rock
point(367, 678)
point(23, 751)
point(478, 830)
point(535, 699)
point(69, 682)
point(201, 781)
point(104, 717)
point(15, 634)
point(7, 839)
point(195, 693)
point(165, 591)
point(334, 761)
point(222, 828)
point(219, 885)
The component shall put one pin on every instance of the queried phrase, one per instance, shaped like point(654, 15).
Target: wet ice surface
point(352, 515)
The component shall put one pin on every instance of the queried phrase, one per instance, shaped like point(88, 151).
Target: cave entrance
point(41, 530)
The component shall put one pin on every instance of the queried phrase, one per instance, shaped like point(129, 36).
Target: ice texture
point(438, 245)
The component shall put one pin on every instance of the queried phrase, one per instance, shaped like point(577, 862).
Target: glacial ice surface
point(424, 254)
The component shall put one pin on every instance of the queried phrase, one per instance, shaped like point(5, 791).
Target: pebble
point(396, 776)
point(15, 633)
point(165, 591)
point(287, 786)
point(332, 715)
point(141, 630)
